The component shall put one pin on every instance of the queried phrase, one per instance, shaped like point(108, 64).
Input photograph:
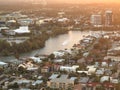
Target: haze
point(65, 1)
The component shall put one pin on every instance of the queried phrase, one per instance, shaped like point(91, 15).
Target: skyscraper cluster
point(41, 2)
point(98, 20)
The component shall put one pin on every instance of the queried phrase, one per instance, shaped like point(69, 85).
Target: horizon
point(62, 1)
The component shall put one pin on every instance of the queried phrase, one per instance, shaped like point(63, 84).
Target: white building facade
point(96, 20)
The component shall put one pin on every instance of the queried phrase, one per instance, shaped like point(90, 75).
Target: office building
point(108, 18)
point(96, 20)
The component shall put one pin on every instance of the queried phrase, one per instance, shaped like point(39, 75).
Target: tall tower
point(108, 17)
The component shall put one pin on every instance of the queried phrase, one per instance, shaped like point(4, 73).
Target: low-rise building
point(26, 21)
point(28, 66)
point(35, 59)
point(22, 30)
point(61, 83)
point(69, 68)
point(91, 69)
point(45, 69)
point(37, 82)
point(3, 64)
point(53, 76)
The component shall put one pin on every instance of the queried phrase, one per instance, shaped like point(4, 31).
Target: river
point(64, 41)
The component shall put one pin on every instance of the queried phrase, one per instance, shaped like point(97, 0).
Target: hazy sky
point(87, 1)
point(67, 1)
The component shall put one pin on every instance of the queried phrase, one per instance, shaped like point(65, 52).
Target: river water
point(64, 41)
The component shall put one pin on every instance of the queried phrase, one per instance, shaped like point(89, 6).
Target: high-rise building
point(96, 19)
point(41, 2)
point(108, 17)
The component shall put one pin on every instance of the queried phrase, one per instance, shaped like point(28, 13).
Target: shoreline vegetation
point(107, 28)
point(35, 42)
point(79, 12)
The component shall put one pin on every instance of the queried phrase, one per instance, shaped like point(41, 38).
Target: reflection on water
point(65, 41)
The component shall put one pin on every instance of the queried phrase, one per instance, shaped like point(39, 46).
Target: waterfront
point(51, 45)
point(64, 41)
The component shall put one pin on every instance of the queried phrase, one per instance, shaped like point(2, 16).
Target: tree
point(15, 85)
point(51, 56)
point(83, 74)
point(117, 86)
point(17, 55)
point(22, 69)
point(97, 79)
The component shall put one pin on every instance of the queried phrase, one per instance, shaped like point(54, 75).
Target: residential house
point(22, 30)
point(37, 82)
point(3, 29)
point(91, 69)
point(28, 66)
point(3, 64)
point(53, 76)
point(63, 20)
point(105, 78)
point(69, 68)
point(25, 22)
point(22, 81)
point(35, 59)
point(45, 69)
point(60, 53)
point(59, 61)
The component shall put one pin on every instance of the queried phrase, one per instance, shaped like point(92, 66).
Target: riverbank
point(38, 42)
point(35, 42)
point(109, 28)
point(53, 44)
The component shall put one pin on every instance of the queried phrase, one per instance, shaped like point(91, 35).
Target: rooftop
point(62, 80)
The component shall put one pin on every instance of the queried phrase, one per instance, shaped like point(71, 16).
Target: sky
point(86, 1)
point(66, 1)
